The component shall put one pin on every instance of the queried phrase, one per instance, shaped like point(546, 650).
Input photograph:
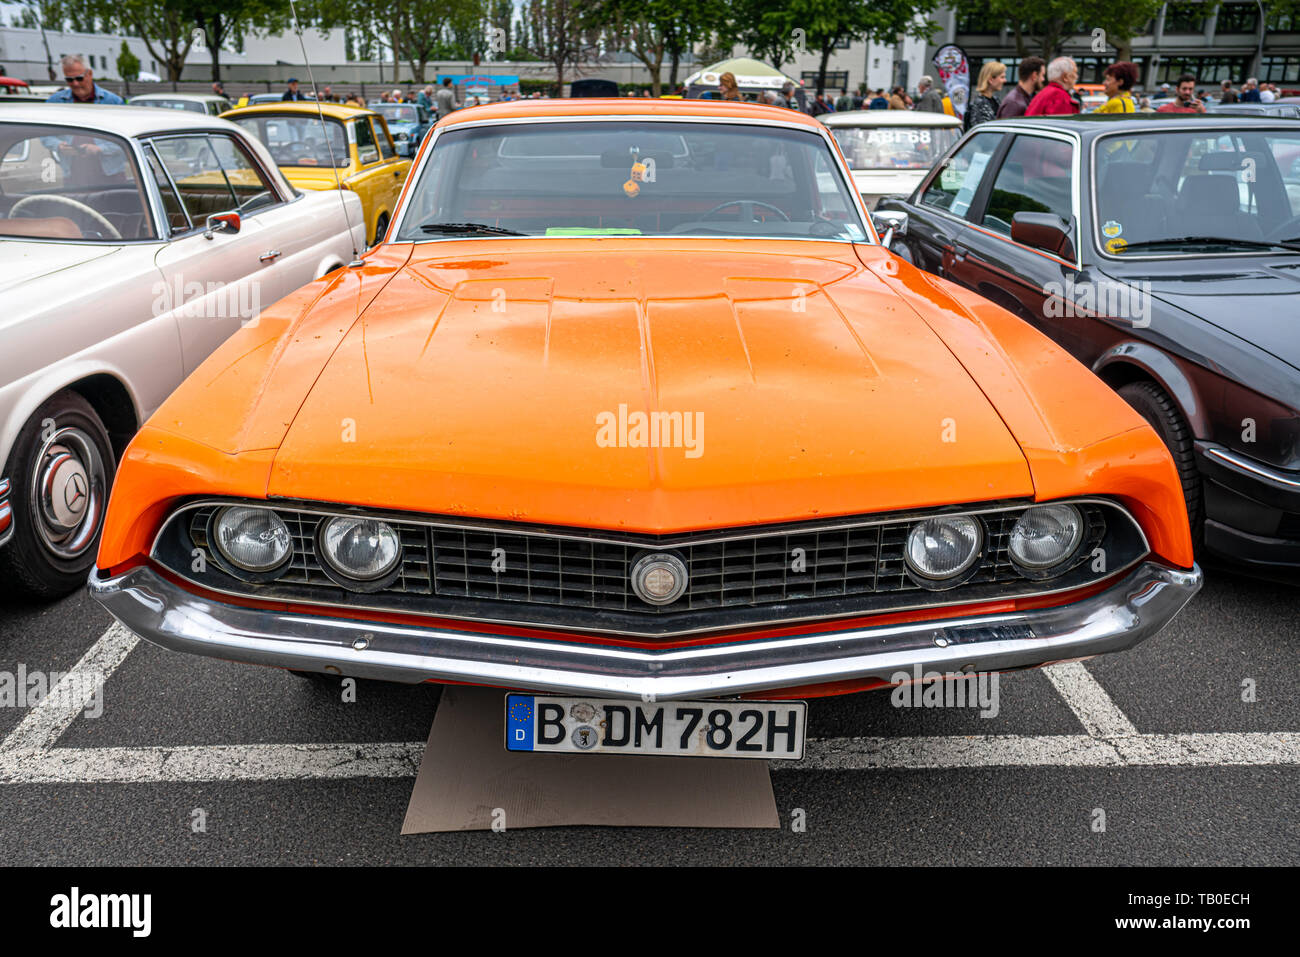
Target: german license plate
point(773, 730)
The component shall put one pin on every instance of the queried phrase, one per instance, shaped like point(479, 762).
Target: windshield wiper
point(481, 228)
point(1217, 241)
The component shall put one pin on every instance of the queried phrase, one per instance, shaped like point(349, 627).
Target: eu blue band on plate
point(519, 722)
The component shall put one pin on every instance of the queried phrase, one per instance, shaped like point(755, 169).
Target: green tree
point(224, 22)
point(167, 27)
point(777, 31)
point(375, 23)
point(561, 33)
point(655, 31)
point(128, 66)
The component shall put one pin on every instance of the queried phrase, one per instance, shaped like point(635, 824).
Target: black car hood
point(1256, 302)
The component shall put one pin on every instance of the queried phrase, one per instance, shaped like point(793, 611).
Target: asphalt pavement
point(1185, 750)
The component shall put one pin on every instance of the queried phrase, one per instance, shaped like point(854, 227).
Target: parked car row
point(989, 426)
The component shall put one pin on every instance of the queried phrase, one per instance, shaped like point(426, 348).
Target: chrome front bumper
point(1133, 609)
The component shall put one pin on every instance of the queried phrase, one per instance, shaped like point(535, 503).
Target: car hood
point(23, 261)
point(1269, 319)
point(510, 379)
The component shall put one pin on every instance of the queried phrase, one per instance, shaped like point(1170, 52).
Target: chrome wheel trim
point(68, 491)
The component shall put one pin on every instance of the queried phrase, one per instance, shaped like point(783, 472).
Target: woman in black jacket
point(984, 104)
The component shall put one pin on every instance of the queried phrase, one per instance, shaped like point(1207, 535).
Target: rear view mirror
point(889, 223)
point(1045, 231)
point(222, 223)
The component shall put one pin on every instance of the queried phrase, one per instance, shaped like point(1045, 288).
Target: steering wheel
point(746, 209)
point(67, 204)
point(1285, 230)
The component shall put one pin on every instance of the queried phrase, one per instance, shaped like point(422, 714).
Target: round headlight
point(1045, 535)
point(943, 547)
point(360, 548)
point(253, 539)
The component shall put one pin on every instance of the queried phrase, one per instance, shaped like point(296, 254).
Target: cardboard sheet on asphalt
point(466, 774)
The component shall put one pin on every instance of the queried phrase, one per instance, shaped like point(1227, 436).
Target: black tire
point(1162, 413)
point(381, 227)
point(30, 565)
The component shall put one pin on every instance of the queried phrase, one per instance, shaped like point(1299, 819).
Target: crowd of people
point(1042, 88)
point(1051, 89)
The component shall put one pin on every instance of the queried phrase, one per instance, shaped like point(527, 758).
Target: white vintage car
point(132, 243)
point(890, 151)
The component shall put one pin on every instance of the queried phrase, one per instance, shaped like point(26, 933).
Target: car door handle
point(959, 252)
point(269, 256)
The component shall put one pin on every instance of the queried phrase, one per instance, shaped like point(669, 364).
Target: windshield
point(61, 183)
point(895, 147)
point(397, 114)
point(1201, 192)
point(648, 178)
point(299, 139)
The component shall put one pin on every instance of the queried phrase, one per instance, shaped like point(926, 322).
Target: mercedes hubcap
point(68, 491)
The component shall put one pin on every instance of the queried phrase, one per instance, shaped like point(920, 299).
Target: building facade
point(1212, 41)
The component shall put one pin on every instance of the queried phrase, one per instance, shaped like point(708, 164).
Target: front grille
point(581, 579)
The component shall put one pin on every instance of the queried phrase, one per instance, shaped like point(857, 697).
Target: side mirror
point(889, 223)
point(1045, 231)
point(222, 223)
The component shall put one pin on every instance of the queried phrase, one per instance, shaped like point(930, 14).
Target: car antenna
point(311, 78)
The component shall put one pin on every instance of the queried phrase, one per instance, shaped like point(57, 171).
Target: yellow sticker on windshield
point(1112, 229)
point(1116, 245)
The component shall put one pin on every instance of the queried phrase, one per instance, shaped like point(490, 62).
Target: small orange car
point(632, 407)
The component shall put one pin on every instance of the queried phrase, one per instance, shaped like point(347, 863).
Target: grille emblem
point(659, 579)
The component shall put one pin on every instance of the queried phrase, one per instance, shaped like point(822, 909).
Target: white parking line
point(287, 762)
point(45, 723)
point(247, 762)
point(28, 754)
point(1052, 751)
point(1098, 714)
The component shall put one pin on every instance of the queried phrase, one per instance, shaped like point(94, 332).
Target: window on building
point(1185, 18)
point(1280, 69)
point(1206, 69)
point(980, 23)
point(1237, 18)
point(1283, 23)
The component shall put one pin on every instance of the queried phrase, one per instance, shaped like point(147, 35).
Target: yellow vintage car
point(353, 150)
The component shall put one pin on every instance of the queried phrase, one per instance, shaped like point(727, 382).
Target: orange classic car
point(633, 416)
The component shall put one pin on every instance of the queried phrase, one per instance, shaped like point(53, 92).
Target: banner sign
point(954, 76)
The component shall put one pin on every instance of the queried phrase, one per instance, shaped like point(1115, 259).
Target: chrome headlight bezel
point(1068, 559)
point(969, 566)
point(234, 567)
point(331, 566)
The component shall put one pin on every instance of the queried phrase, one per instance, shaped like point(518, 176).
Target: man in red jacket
point(1054, 99)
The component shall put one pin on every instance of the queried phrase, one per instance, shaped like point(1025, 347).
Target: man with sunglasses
point(85, 159)
point(82, 87)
